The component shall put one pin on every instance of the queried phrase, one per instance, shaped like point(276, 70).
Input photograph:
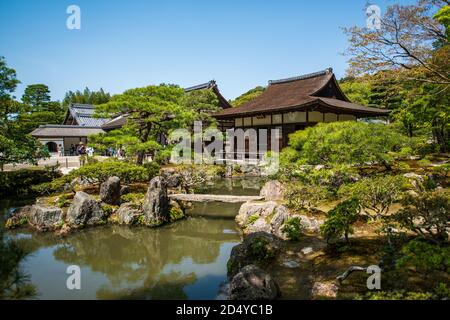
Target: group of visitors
point(81, 149)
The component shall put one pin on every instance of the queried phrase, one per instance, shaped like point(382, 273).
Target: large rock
point(324, 290)
point(249, 210)
point(85, 210)
point(156, 203)
point(258, 248)
point(270, 217)
point(252, 283)
point(44, 218)
point(171, 178)
point(110, 191)
point(128, 213)
point(272, 191)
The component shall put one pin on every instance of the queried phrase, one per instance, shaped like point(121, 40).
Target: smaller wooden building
point(78, 124)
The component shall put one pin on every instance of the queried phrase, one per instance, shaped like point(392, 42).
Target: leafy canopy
point(353, 143)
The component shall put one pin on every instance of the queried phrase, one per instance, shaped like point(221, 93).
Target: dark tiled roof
point(84, 115)
point(50, 130)
point(115, 123)
point(298, 92)
point(223, 103)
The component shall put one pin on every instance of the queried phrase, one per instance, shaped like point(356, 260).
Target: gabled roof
point(59, 131)
point(301, 92)
point(223, 103)
point(84, 115)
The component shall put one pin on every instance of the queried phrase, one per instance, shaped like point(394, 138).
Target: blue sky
point(134, 43)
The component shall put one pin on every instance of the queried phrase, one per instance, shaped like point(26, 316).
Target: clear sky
point(134, 43)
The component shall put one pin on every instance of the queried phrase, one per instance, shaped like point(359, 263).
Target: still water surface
point(185, 260)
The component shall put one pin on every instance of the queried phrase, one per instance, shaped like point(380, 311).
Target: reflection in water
point(118, 262)
point(185, 260)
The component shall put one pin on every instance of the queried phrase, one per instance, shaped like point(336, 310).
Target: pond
point(184, 260)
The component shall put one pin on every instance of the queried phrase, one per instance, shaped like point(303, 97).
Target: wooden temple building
point(290, 105)
point(293, 104)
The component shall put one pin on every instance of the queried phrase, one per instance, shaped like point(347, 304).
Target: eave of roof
point(297, 93)
point(65, 131)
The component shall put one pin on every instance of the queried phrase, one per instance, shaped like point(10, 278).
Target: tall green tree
point(152, 112)
point(248, 96)
point(16, 146)
point(36, 95)
point(86, 97)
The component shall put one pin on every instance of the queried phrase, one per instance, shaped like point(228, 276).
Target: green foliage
point(135, 198)
point(397, 295)
point(356, 89)
point(176, 214)
point(162, 156)
point(375, 194)
point(253, 218)
point(340, 220)
point(427, 215)
point(14, 284)
point(153, 111)
point(101, 171)
point(203, 102)
point(302, 196)
point(152, 168)
point(16, 222)
point(21, 182)
point(425, 257)
point(16, 146)
point(261, 250)
point(86, 97)
point(36, 95)
point(248, 96)
point(108, 209)
point(352, 143)
point(293, 228)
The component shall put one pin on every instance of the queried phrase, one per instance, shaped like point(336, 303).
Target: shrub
point(293, 228)
point(375, 194)
point(152, 169)
point(300, 196)
point(21, 182)
point(176, 214)
point(353, 143)
point(163, 156)
point(101, 171)
point(135, 198)
point(340, 220)
point(397, 295)
point(425, 257)
point(426, 215)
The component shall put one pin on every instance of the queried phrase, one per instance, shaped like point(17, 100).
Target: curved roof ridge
point(303, 77)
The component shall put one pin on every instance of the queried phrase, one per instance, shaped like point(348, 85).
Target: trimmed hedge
point(20, 182)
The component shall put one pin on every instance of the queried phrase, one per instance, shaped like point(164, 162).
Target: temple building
point(293, 104)
point(290, 105)
point(79, 123)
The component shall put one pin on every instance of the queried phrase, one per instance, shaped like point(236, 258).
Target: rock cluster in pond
point(252, 283)
point(129, 214)
point(110, 191)
point(272, 191)
point(257, 249)
point(156, 203)
point(85, 210)
point(270, 217)
point(44, 218)
point(172, 179)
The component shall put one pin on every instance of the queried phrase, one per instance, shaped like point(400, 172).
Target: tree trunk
point(140, 158)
